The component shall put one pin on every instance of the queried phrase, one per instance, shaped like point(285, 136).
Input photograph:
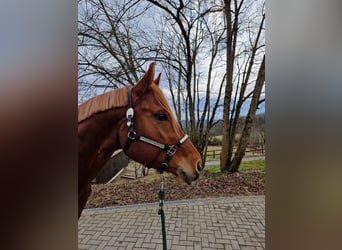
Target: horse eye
point(160, 116)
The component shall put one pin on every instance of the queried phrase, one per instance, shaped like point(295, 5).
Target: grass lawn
point(248, 165)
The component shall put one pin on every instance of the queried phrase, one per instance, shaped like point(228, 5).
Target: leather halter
point(133, 136)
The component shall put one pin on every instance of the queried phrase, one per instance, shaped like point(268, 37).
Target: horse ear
point(157, 80)
point(144, 83)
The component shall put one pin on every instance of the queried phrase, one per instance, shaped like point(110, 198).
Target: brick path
point(215, 223)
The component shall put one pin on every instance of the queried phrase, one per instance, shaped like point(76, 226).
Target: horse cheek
point(123, 131)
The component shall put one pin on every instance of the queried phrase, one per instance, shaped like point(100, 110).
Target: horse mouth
point(185, 176)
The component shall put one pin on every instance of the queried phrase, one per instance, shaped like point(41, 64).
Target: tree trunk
point(240, 152)
point(226, 153)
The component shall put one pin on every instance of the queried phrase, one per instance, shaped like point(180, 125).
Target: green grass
point(248, 165)
point(253, 165)
point(213, 168)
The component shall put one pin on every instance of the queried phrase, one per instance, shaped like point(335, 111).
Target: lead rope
point(161, 211)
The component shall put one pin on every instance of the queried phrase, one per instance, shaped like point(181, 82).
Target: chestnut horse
point(139, 120)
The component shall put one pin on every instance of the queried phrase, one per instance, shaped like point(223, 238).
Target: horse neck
point(98, 139)
point(108, 129)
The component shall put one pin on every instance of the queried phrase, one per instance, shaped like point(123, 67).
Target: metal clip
point(161, 194)
point(161, 182)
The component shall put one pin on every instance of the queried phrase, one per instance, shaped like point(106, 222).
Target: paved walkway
point(215, 223)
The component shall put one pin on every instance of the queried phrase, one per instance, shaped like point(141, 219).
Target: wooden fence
point(252, 150)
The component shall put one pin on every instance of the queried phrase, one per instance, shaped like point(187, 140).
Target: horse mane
point(112, 99)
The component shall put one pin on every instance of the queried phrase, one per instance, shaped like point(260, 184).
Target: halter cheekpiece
point(132, 136)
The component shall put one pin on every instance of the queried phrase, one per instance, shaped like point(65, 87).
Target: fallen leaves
point(209, 185)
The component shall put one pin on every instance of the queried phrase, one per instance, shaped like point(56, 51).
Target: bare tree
point(203, 54)
point(240, 152)
point(190, 37)
point(110, 44)
point(242, 60)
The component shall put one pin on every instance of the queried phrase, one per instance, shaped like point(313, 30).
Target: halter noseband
point(132, 136)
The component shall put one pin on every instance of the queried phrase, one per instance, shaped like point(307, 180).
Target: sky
point(202, 66)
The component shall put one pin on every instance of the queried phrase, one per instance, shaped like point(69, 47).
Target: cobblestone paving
point(215, 223)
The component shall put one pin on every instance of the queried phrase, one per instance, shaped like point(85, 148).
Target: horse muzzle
point(188, 177)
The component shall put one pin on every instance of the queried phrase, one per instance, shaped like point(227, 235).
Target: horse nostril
point(198, 166)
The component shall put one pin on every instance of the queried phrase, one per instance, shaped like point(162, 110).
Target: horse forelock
point(113, 99)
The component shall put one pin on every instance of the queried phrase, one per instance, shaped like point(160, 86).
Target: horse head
point(154, 137)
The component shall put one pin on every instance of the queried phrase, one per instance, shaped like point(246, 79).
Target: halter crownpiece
point(132, 136)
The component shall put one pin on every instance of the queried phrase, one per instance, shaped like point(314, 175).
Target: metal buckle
point(129, 116)
point(172, 150)
point(130, 113)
